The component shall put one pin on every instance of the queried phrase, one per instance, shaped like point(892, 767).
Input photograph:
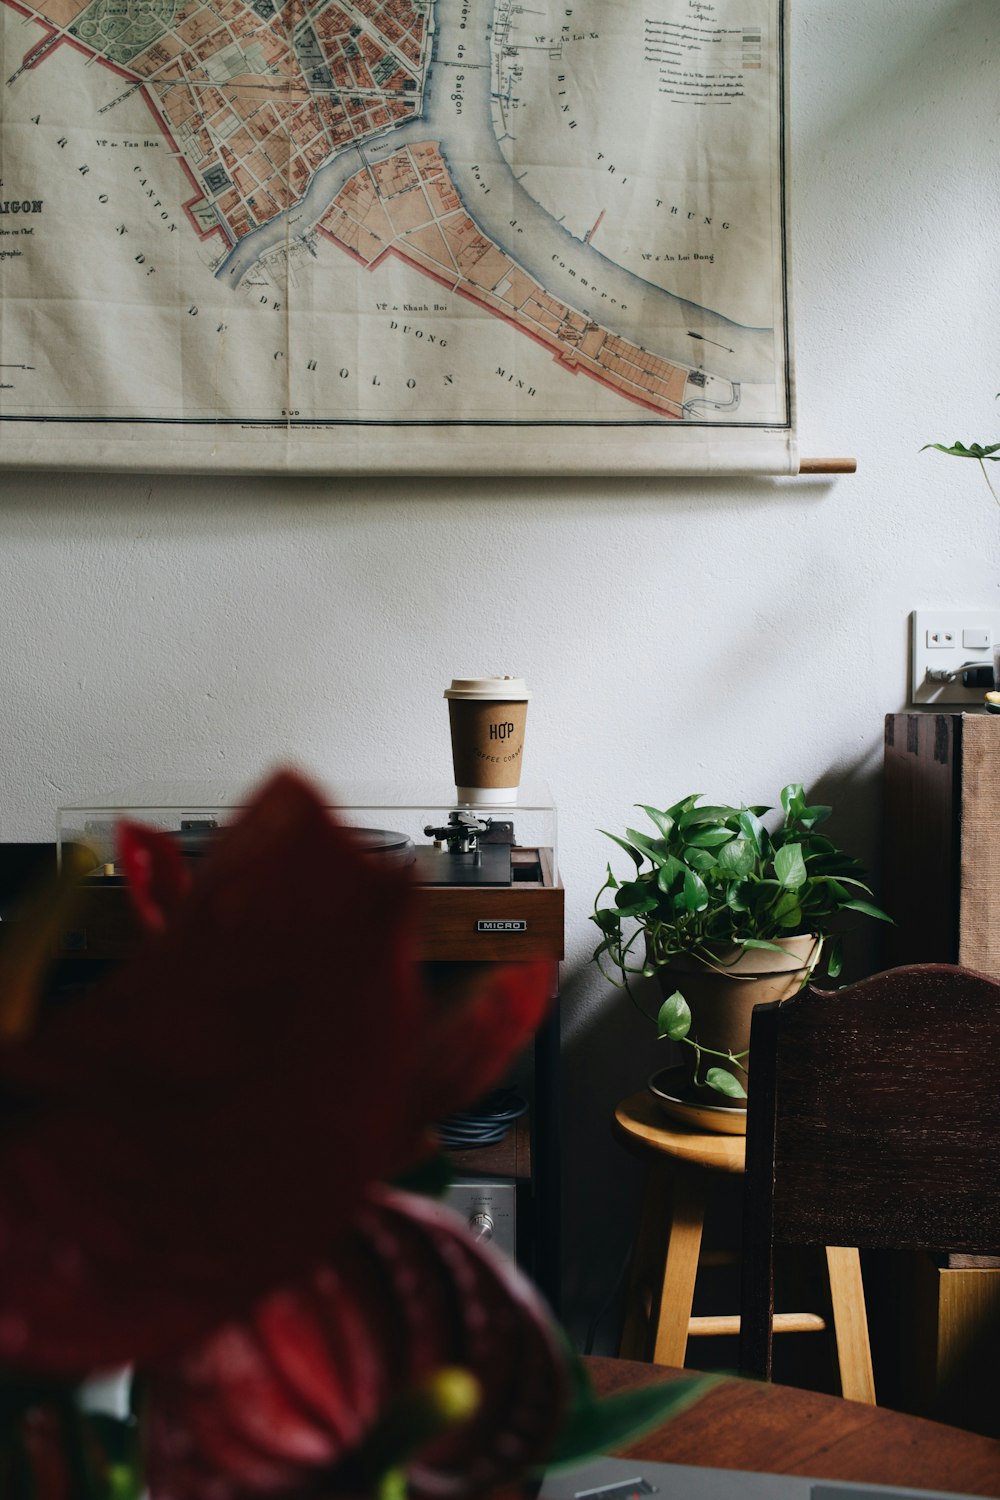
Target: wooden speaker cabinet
point(941, 880)
point(942, 886)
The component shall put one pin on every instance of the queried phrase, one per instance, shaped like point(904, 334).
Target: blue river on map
point(632, 307)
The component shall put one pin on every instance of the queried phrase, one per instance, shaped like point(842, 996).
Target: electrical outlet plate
point(943, 640)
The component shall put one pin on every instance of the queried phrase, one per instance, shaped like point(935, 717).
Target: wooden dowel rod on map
point(828, 465)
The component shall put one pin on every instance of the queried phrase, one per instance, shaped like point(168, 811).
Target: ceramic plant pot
point(722, 998)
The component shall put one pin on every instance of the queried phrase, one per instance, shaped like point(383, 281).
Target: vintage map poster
point(394, 236)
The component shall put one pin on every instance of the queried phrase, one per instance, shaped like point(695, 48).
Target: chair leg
point(680, 1269)
point(850, 1322)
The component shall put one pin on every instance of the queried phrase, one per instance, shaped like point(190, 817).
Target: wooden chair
point(873, 1120)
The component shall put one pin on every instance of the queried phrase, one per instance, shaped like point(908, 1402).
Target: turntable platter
point(383, 842)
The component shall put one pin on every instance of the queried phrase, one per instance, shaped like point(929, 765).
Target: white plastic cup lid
point(503, 689)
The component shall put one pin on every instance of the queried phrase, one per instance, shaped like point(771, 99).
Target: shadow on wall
point(608, 1057)
point(857, 825)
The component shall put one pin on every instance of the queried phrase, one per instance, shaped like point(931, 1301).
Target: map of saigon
point(297, 233)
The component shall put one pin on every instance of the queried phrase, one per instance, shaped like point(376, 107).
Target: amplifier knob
point(482, 1226)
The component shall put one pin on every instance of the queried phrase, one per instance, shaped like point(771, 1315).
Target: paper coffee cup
point(487, 736)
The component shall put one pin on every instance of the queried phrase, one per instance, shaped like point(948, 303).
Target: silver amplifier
point(489, 1209)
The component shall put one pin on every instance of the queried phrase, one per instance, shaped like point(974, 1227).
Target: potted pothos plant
point(725, 914)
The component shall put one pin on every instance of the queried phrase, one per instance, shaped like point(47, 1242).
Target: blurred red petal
point(235, 1370)
point(211, 1430)
point(158, 879)
point(200, 1127)
point(426, 1306)
point(325, 1374)
point(483, 1018)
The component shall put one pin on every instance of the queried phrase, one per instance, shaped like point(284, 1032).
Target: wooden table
point(774, 1429)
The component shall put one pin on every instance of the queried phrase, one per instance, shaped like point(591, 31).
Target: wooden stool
point(658, 1320)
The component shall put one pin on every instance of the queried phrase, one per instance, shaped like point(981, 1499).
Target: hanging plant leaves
point(632, 853)
point(695, 892)
point(663, 821)
point(868, 909)
point(725, 1082)
point(654, 849)
point(790, 867)
point(669, 873)
point(736, 857)
point(633, 898)
point(752, 827)
point(710, 838)
point(673, 1019)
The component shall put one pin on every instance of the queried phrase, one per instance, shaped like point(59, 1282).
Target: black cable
point(484, 1124)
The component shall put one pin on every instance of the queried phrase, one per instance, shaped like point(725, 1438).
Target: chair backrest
point(873, 1119)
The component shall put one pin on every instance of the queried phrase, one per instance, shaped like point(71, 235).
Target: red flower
point(287, 1401)
point(205, 1125)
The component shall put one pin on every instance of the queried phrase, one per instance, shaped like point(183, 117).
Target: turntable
point(488, 883)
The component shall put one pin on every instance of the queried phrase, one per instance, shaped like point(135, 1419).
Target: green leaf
point(634, 898)
point(600, 1426)
point(736, 858)
point(607, 920)
point(685, 805)
point(654, 849)
point(761, 943)
point(669, 873)
point(752, 827)
point(710, 838)
point(835, 956)
point(695, 892)
point(869, 910)
point(696, 815)
point(663, 821)
point(612, 882)
point(788, 910)
point(811, 817)
point(790, 867)
point(725, 1082)
point(673, 1019)
point(699, 859)
point(736, 896)
point(974, 450)
point(793, 799)
point(820, 844)
point(629, 850)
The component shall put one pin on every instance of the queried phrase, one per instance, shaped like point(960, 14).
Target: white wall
point(679, 636)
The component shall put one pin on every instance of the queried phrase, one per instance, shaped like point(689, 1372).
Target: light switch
point(946, 646)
